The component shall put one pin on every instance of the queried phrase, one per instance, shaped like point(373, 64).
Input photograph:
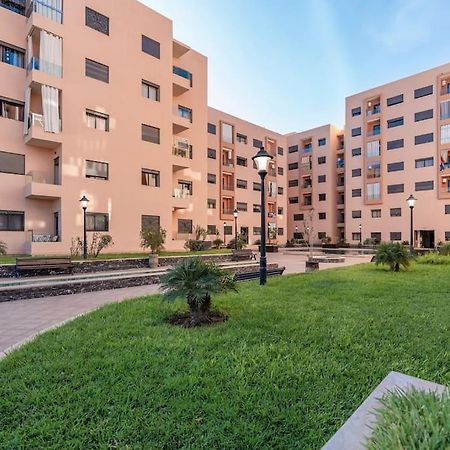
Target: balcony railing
point(227, 162)
point(37, 176)
point(375, 110)
point(35, 237)
point(17, 6)
point(374, 132)
point(181, 193)
point(44, 66)
point(228, 187)
point(340, 164)
point(182, 151)
point(43, 8)
point(306, 166)
point(444, 166)
point(184, 112)
point(227, 211)
point(183, 73)
point(35, 119)
point(307, 149)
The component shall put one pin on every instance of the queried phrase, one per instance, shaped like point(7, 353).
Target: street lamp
point(235, 214)
point(224, 235)
point(84, 204)
point(360, 234)
point(261, 160)
point(296, 232)
point(411, 203)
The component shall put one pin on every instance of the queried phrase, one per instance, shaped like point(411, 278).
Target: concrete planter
point(311, 266)
point(153, 261)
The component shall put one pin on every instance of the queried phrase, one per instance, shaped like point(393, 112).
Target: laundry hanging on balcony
point(26, 123)
point(50, 54)
point(50, 109)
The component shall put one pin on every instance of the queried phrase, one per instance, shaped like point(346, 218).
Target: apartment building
point(233, 181)
point(315, 184)
point(397, 144)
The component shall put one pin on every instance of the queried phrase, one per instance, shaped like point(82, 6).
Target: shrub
point(196, 281)
point(290, 243)
point(241, 242)
point(76, 247)
point(153, 239)
point(434, 258)
point(99, 243)
point(326, 240)
point(194, 245)
point(200, 233)
point(445, 249)
point(217, 242)
point(394, 255)
point(3, 248)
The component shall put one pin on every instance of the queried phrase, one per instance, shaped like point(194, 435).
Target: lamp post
point(235, 215)
point(84, 204)
point(224, 235)
point(411, 203)
point(360, 235)
point(261, 160)
point(296, 232)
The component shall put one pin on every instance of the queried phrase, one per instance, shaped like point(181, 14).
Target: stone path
point(22, 320)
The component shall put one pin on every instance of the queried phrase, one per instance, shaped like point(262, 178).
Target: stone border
point(357, 430)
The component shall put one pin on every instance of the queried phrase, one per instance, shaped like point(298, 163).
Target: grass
point(434, 258)
point(415, 421)
point(291, 364)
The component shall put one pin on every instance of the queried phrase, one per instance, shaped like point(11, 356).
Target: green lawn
point(294, 360)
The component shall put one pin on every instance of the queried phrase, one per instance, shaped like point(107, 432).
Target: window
point(150, 177)
point(423, 115)
point(151, 47)
point(356, 111)
point(293, 200)
point(321, 160)
point(212, 179)
point(397, 122)
point(356, 172)
point(212, 129)
point(17, 6)
point(280, 171)
point(396, 167)
point(423, 138)
point(211, 230)
point(322, 141)
point(445, 110)
point(150, 90)
point(424, 162)
point(447, 236)
point(394, 100)
point(373, 149)
point(322, 197)
point(356, 151)
point(241, 161)
point(422, 92)
point(280, 231)
point(376, 236)
point(256, 208)
point(97, 170)
point(445, 134)
point(280, 151)
point(280, 211)
point(184, 226)
point(396, 212)
point(424, 185)
point(241, 184)
point(356, 214)
point(212, 203)
point(356, 192)
point(150, 134)
point(299, 217)
point(257, 231)
point(322, 216)
point(356, 131)
point(150, 223)
point(257, 186)
point(97, 21)
point(212, 153)
point(11, 109)
point(293, 166)
point(398, 143)
point(241, 206)
point(257, 143)
point(376, 213)
point(97, 222)
point(227, 133)
point(242, 138)
point(97, 121)
point(228, 230)
point(280, 190)
point(395, 188)
point(97, 70)
point(12, 163)
point(12, 220)
point(12, 55)
point(356, 236)
point(373, 191)
point(321, 178)
point(447, 209)
point(396, 236)
point(321, 235)
point(374, 169)
point(293, 183)
point(293, 149)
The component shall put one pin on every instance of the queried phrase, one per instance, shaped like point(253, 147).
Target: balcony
point(375, 131)
point(181, 82)
point(340, 164)
point(227, 211)
point(228, 188)
point(182, 119)
point(38, 137)
point(373, 111)
point(40, 186)
point(307, 148)
point(182, 154)
point(17, 6)
point(181, 199)
point(45, 8)
point(179, 49)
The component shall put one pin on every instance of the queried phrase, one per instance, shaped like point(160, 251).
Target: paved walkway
point(22, 320)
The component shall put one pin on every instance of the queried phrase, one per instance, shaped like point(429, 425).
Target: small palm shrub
point(241, 242)
point(217, 242)
point(394, 255)
point(153, 239)
point(3, 248)
point(445, 249)
point(434, 258)
point(196, 281)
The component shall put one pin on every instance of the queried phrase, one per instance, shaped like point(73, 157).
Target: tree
point(153, 239)
point(394, 255)
point(3, 248)
point(308, 231)
point(200, 233)
point(196, 281)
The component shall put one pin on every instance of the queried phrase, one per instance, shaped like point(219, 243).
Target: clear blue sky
point(289, 64)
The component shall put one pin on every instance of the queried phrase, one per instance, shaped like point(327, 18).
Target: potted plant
point(153, 239)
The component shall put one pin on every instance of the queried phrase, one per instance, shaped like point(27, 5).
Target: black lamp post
point(224, 235)
point(235, 215)
point(84, 204)
point(411, 203)
point(296, 232)
point(261, 160)
point(360, 235)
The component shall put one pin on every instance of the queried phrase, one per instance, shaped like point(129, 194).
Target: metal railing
point(181, 193)
point(35, 119)
point(17, 6)
point(44, 66)
point(182, 151)
point(44, 9)
point(375, 110)
point(374, 132)
point(183, 73)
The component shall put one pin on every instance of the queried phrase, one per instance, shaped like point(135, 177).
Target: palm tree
point(196, 280)
point(394, 255)
point(3, 248)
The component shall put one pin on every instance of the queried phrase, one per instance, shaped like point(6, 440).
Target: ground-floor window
point(97, 222)
point(184, 226)
point(12, 220)
point(150, 223)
